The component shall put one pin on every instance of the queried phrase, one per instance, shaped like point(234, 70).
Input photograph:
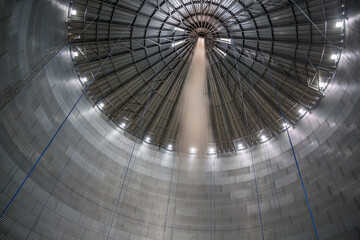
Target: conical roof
point(260, 53)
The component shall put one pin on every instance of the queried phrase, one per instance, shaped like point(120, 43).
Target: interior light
point(101, 105)
point(301, 111)
point(221, 52)
point(176, 43)
point(225, 40)
point(339, 24)
point(192, 150)
point(123, 125)
point(322, 84)
point(212, 150)
point(240, 145)
point(334, 56)
point(179, 29)
point(73, 12)
point(84, 79)
point(147, 139)
point(263, 138)
point(75, 54)
point(170, 146)
point(285, 125)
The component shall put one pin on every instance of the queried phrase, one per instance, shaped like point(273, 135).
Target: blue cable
point(322, 153)
point(60, 107)
point(248, 131)
point(132, 152)
point(37, 141)
point(292, 147)
point(269, 166)
point(267, 162)
point(18, 97)
point(59, 177)
point(62, 124)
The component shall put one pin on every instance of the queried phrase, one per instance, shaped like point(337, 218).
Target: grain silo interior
point(180, 119)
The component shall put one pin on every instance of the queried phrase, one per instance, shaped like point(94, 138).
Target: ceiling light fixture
point(240, 146)
point(176, 43)
point(263, 138)
point(147, 139)
point(339, 24)
point(212, 150)
point(179, 29)
point(192, 150)
point(84, 79)
point(123, 125)
point(101, 105)
point(170, 146)
point(334, 56)
point(221, 52)
point(225, 40)
point(75, 54)
point(322, 84)
point(73, 12)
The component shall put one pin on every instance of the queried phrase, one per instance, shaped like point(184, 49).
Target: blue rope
point(267, 162)
point(57, 131)
point(248, 132)
point(131, 155)
point(37, 141)
point(268, 165)
point(18, 97)
point(59, 177)
point(322, 152)
point(292, 147)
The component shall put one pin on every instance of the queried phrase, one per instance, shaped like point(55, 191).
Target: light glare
point(339, 24)
point(192, 150)
point(334, 56)
point(176, 43)
point(179, 29)
point(225, 40)
point(73, 12)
